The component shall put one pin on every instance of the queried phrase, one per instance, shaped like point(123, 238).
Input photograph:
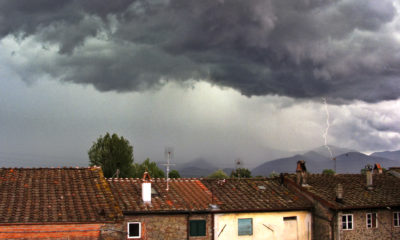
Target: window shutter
point(197, 227)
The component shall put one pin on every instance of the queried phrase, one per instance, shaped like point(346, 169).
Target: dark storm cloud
point(343, 49)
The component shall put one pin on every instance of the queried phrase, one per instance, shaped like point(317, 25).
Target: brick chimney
point(146, 188)
point(301, 173)
point(368, 173)
point(377, 168)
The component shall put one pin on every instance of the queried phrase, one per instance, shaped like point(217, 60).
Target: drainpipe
point(187, 226)
point(212, 226)
point(339, 216)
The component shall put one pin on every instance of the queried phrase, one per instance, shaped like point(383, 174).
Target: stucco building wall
point(269, 225)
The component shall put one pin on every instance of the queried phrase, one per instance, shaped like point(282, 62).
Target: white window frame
point(347, 221)
point(140, 229)
point(369, 225)
point(398, 219)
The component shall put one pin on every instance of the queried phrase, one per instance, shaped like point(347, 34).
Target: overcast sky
point(214, 79)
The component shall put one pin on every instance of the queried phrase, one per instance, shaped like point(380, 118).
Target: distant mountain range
point(395, 155)
point(199, 167)
point(347, 161)
point(318, 159)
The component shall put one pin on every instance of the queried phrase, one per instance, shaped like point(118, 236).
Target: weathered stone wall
point(322, 216)
point(385, 229)
point(322, 222)
point(168, 227)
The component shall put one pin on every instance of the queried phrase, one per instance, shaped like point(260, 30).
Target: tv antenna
point(169, 153)
point(238, 164)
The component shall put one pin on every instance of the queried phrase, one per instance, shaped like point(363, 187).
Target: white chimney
point(339, 192)
point(146, 188)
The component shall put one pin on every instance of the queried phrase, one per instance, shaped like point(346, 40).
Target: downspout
point(187, 226)
point(212, 226)
point(339, 216)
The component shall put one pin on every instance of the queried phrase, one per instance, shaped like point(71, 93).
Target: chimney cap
point(146, 177)
point(378, 168)
point(368, 167)
point(301, 166)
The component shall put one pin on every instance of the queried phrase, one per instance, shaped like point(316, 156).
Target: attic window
point(134, 230)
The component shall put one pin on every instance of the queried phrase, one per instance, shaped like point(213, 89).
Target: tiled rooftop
point(385, 191)
point(50, 195)
point(197, 194)
point(183, 195)
point(255, 195)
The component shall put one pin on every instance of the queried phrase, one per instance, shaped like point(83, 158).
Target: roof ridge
point(50, 168)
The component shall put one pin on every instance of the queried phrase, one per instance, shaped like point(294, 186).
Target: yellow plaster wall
point(261, 222)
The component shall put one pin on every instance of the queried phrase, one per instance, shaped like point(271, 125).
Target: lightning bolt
point(325, 134)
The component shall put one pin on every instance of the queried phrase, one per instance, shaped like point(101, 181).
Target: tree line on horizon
point(114, 154)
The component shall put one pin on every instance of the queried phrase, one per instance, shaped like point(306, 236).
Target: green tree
point(328, 171)
point(174, 174)
point(273, 174)
point(150, 167)
point(241, 172)
point(112, 152)
point(219, 174)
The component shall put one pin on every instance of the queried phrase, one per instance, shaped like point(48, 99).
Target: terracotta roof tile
point(197, 194)
point(33, 195)
point(255, 194)
point(183, 195)
point(385, 191)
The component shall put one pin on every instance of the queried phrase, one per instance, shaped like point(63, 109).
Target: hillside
point(393, 155)
point(319, 159)
point(199, 167)
point(353, 162)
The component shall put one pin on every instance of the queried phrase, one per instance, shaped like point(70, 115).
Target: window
point(372, 220)
point(197, 228)
point(134, 230)
point(396, 219)
point(347, 221)
point(245, 226)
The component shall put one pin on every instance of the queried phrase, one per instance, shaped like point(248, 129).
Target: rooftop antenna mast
point(238, 163)
point(169, 152)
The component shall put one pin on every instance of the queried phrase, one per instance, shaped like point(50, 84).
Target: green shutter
point(197, 228)
point(245, 226)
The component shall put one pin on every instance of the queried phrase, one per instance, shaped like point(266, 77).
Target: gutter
point(252, 210)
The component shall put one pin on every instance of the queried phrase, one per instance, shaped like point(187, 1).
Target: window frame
point(251, 222)
point(398, 219)
point(198, 221)
point(140, 230)
point(347, 222)
point(371, 225)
